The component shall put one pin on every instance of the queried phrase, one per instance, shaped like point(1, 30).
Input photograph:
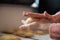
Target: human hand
point(37, 20)
point(42, 24)
point(32, 25)
point(57, 17)
point(54, 31)
point(54, 18)
point(34, 15)
point(44, 15)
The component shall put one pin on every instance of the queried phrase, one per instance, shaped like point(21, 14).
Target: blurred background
point(11, 10)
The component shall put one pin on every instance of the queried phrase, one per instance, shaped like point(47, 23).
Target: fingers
point(38, 15)
point(33, 15)
point(23, 26)
point(44, 15)
point(26, 13)
point(57, 17)
point(57, 13)
point(50, 17)
point(47, 15)
point(33, 25)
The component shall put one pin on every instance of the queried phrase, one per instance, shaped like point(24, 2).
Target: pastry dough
point(29, 33)
point(20, 32)
point(39, 32)
point(9, 37)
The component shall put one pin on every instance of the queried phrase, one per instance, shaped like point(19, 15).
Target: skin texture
point(43, 18)
point(53, 18)
point(54, 31)
point(53, 26)
point(38, 24)
point(33, 15)
point(57, 17)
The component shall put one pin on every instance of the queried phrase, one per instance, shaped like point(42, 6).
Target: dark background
point(51, 6)
point(17, 1)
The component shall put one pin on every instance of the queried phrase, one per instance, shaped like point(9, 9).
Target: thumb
point(48, 16)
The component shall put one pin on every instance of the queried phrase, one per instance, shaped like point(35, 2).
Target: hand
point(53, 18)
point(57, 17)
point(54, 31)
point(33, 25)
point(50, 17)
point(34, 15)
point(44, 15)
point(41, 25)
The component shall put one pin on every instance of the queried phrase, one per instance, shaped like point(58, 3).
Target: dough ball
point(20, 32)
point(29, 30)
point(9, 37)
point(29, 34)
point(39, 32)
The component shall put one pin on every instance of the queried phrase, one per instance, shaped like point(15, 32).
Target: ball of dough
point(9, 37)
point(20, 32)
point(29, 34)
point(39, 32)
point(29, 30)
